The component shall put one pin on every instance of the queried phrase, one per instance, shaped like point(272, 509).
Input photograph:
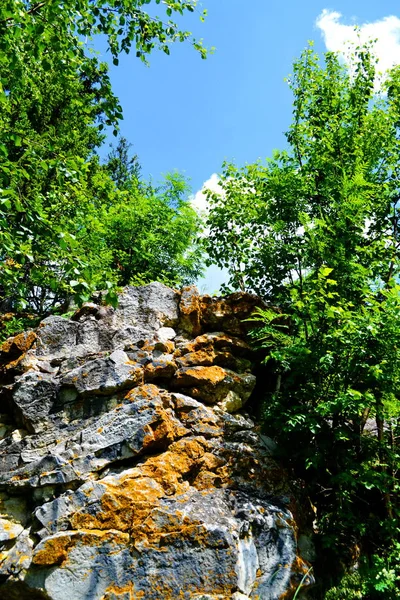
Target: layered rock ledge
point(128, 466)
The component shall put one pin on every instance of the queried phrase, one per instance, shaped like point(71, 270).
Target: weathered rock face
point(128, 468)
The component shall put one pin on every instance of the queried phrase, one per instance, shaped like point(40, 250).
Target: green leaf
point(325, 271)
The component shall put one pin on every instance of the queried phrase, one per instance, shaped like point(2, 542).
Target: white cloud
point(199, 200)
point(386, 31)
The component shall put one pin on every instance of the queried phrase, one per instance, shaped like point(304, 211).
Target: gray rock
point(307, 548)
point(166, 333)
point(104, 375)
point(13, 508)
point(240, 545)
point(19, 557)
point(9, 530)
point(151, 307)
point(33, 398)
point(56, 337)
point(128, 338)
point(232, 402)
point(116, 435)
point(132, 489)
point(88, 337)
point(237, 540)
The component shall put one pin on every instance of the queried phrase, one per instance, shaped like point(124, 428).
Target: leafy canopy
point(55, 100)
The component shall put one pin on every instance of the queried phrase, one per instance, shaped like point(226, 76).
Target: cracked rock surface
point(128, 466)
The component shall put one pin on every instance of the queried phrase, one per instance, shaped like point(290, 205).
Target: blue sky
point(188, 114)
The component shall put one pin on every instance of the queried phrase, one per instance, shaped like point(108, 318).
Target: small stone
point(9, 530)
point(87, 308)
point(19, 558)
point(162, 367)
point(231, 403)
point(166, 333)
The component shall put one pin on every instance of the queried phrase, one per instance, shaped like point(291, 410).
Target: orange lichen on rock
point(165, 346)
point(125, 501)
point(163, 431)
point(168, 427)
point(124, 592)
point(56, 549)
point(18, 344)
point(143, 392)
point(204, 358)
point(170, 468)
point(228, 313)
point(163, 367)
point(212, 384)
point(200, 375)
point(13, 352)
point(215, 349)
point(190, 311)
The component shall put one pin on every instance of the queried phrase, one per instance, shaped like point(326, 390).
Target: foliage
point(377, 578)
point(123, 169)
point(129, 235)
point(51, 28)
point(351, 587)
point(273, 329)
point(55, 100)
point(316, 231)
point(136, 233)
point(274, 223)
point(11, 324)
point(151, 234)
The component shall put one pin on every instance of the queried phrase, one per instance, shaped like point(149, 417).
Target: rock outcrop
point(128, 467)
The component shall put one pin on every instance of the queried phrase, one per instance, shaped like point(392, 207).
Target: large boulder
point(128, 467)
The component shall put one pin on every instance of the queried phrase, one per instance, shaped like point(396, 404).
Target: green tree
point(48, 137)
point(135, 233)
point(316, 231)
point(55, 100)
point(123, 169)
point(152, 235)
